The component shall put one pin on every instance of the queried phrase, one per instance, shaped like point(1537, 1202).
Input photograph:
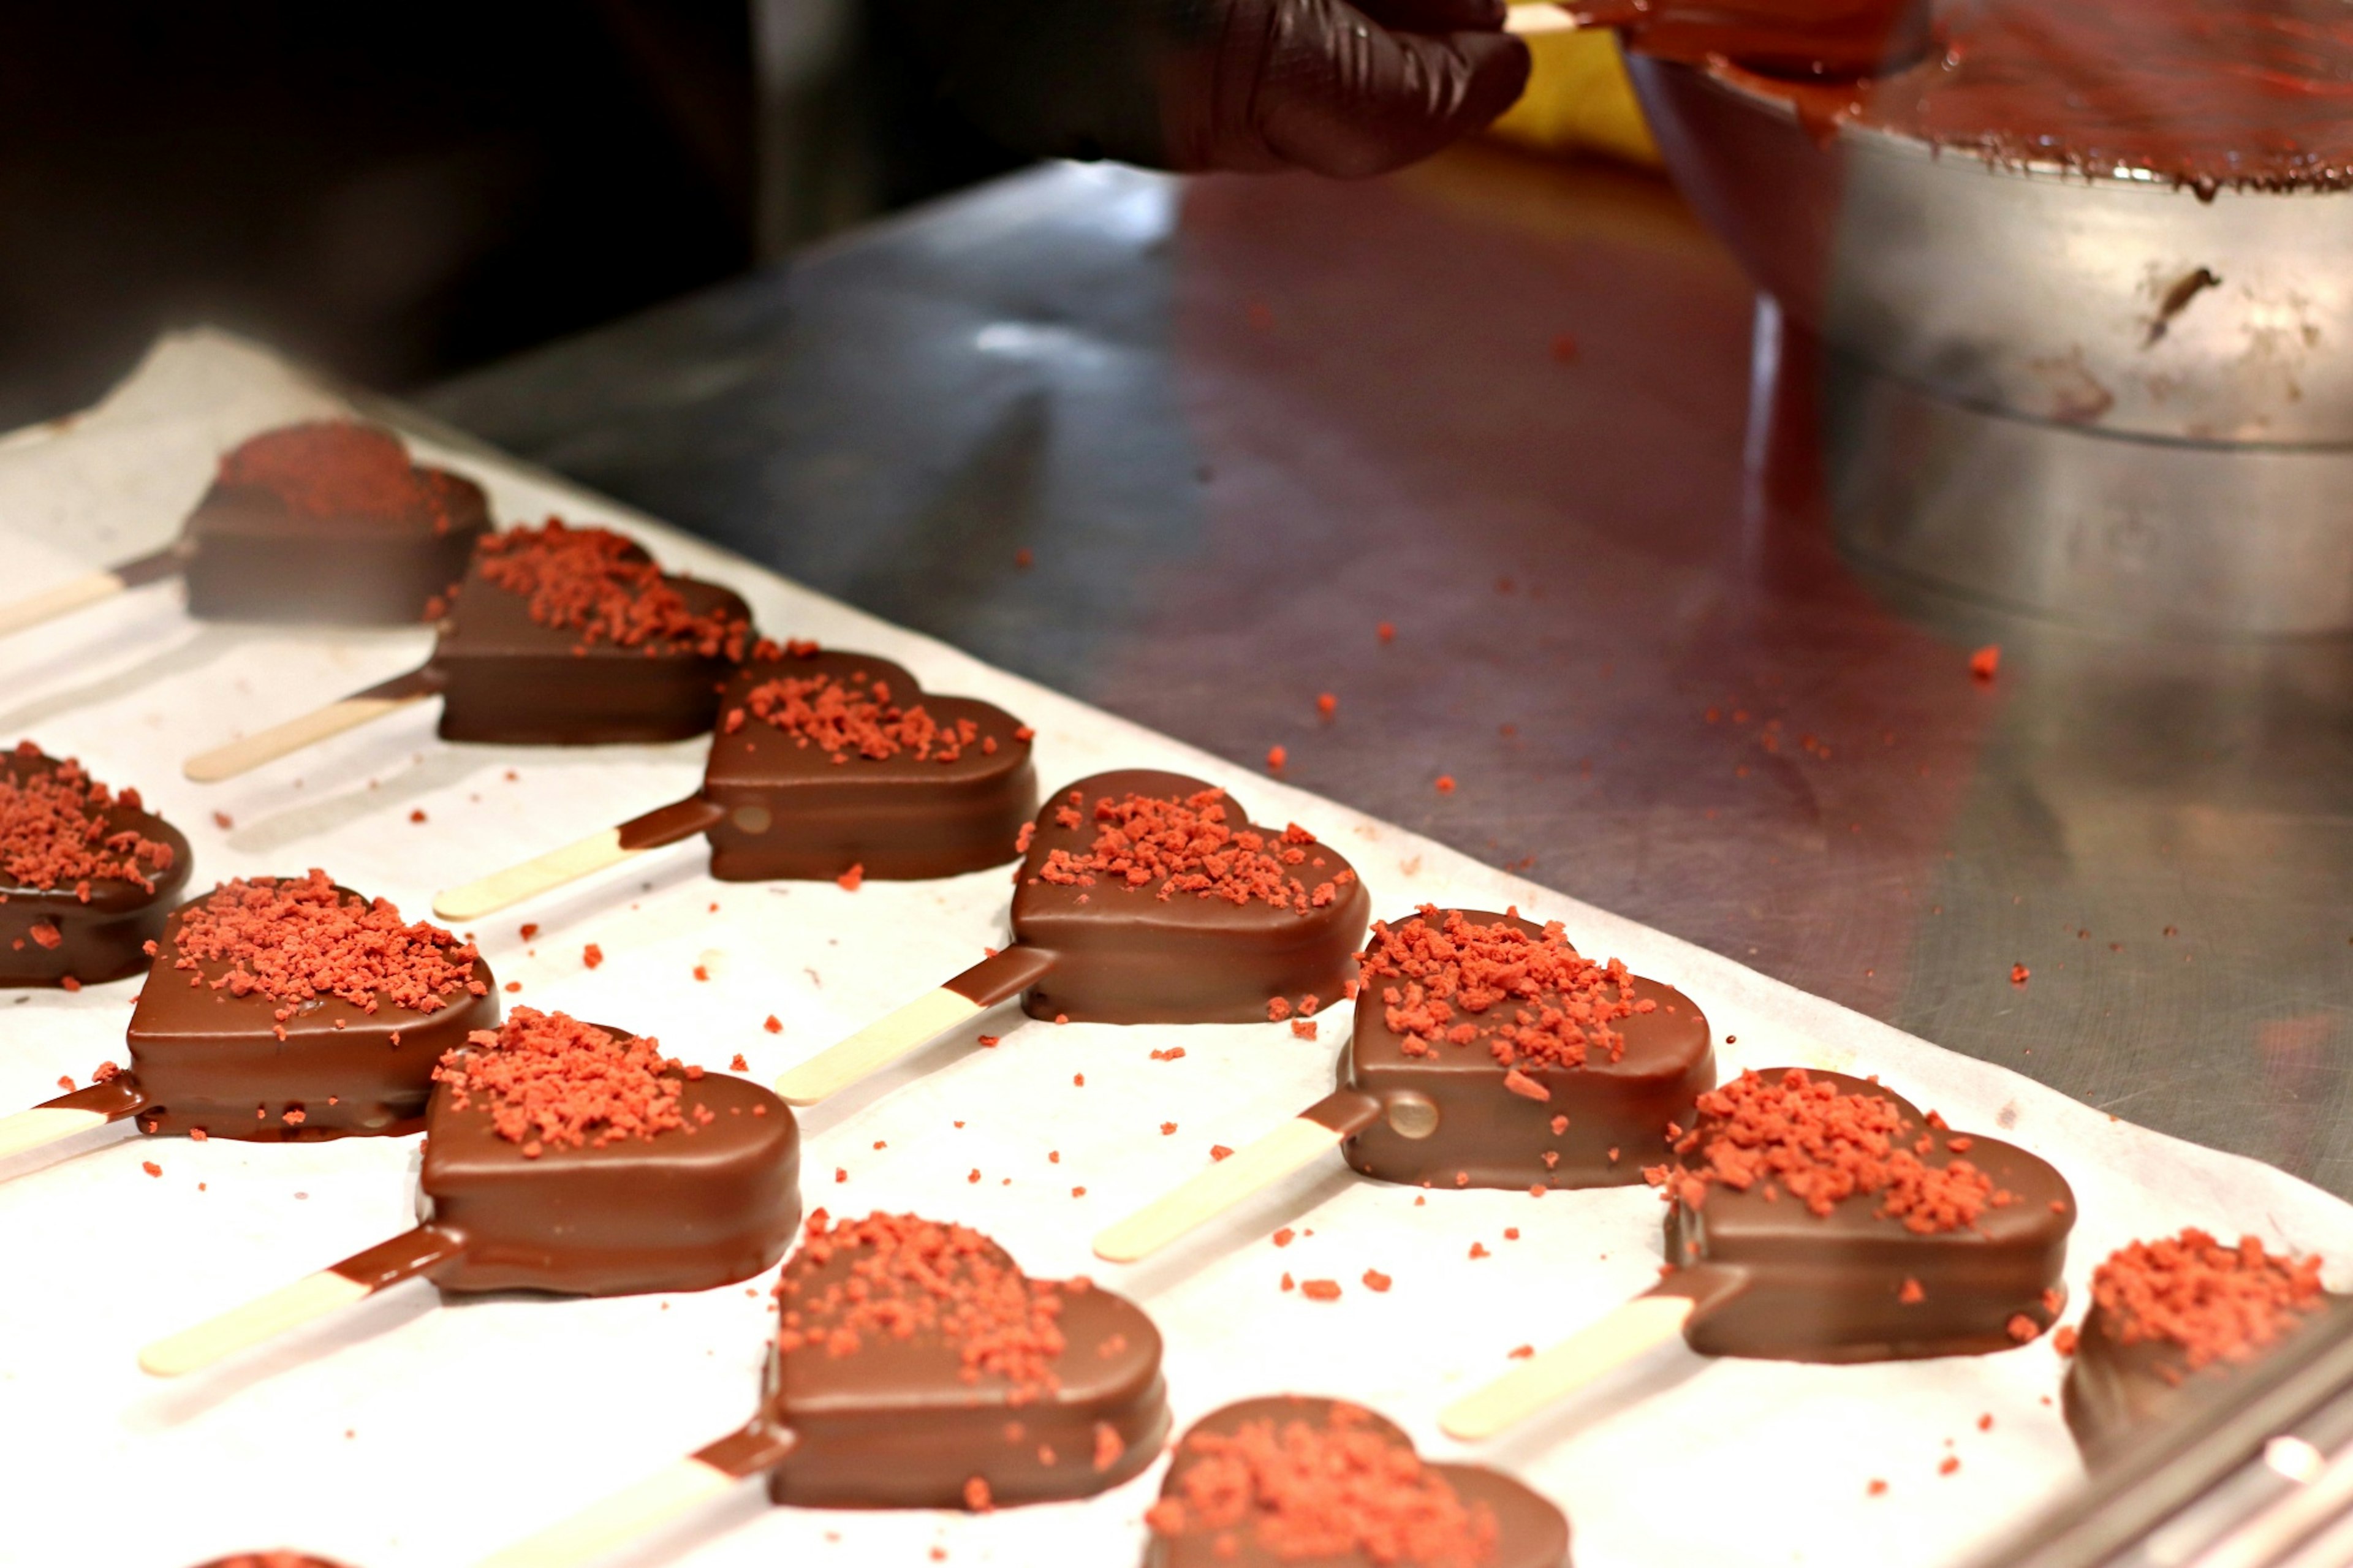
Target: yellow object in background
point(1579, 100)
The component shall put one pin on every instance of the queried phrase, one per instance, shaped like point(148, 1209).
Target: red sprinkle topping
point(547, 1077)
point(298, 940)
point(1528, 998)
point(2217, 1303)
point(592, 955)
point(909, 1277)
point(54, 829)
point(857, 719)
point(1187, 846)
point(1823, 1147)
point(1339, 1490)
point(1320, 1290)
point(336, 468)
point(600, 585)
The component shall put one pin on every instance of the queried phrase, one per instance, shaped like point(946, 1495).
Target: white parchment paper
point(412, 1432)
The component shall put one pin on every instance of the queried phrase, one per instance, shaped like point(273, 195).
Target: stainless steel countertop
point(1503, 404)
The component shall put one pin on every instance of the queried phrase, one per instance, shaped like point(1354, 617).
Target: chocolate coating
point(250, 557)
point(103, 939)
point(791, 811)
point(505, 678)
point(210, 1059)
point(691, 1208)
point(1530, 1531)
point(1777, 1281)
point(1122, 955)
point(1498, 1139)
point(894, 1424)
point(2113, 1390)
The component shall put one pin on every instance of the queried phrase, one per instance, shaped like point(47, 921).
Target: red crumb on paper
point(1288, 1283)
point(592, 955)
point(1822, 1147)
point(297, 941)
point(1386, 632)
point(1326, 704)
point(1951, 1463)
point(547, 1077)
point(1276, 759)
point(2020, 974)
point(224, 821)
point(1283, 1238)
point(1219, 1152)
point(416, 814)
point(1876, 1488)
point(1985, 663)
point(57, 830)
point(2024, 1329)
point(1188, 846)
point(1446, 784)
point(1277, 1008)
point(1168, 1129)
point(1446, 981)
point(65, 1083)
point(2213, 1300)
point(1304, 1028)
point(1345, 1489)
point(1521, 1352)
point(1022, 559)
point(603, 586)
point(990, 1041)
point(514, 986)
point(739, 1064)
point(902, 1276)
point(773, 1023)
point(1376, 1282)
point(1320, 1290)
point(1479, 1249)
point(1985, 1422)
point(2063, 1341)
point(1173, 1054)
point(151, 1168)
point(851, 880)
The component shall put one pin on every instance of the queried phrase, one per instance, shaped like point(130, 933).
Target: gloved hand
point(1324, 85)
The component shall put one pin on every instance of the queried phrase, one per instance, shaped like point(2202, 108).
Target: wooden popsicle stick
point(313, 1296)
point(92, 589)
point(244, 755)
point(1218, 1187)
point(44, 1125)
point(897, 1033)
point(603, 1527)
point(1625, 1332)
point(1527, 21)
point(582, 857)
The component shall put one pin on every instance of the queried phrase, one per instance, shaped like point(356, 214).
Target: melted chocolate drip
point(1447, 1121)
point(505, 678)
point(1778, 1281)
point(250, 557)
point(691, 1208)
point(897, 1424)
point(104, 938)
point(1530, 1531)
point(2114, 1390)
point(211, 1059)
point(777, 809)
point(1123, 955)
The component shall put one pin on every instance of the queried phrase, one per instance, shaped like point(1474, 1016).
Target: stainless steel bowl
point(2115, 304)
point(2103, 399)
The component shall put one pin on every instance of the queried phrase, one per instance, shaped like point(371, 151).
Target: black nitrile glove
point(1223, 84)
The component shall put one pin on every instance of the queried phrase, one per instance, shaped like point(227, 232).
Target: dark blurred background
point(397, 194)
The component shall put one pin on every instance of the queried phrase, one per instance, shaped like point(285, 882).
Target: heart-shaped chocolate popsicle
point(87, 875)
point(564, 1157)
point(321, 523)
point(281, 1009)
point(1486, 1052)
point(1816, 1217)
point(1275, 1481)
point(558, 636)
point(2170, 1315)
point(1143, 898)
point(824, 764)
point(916, 1366)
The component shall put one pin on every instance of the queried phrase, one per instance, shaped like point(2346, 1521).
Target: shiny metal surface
point(1505, 408)
point(2029, 291)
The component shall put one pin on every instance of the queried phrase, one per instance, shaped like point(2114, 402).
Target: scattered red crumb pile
point(857, 718)
point(1800, 1134)
point(1188, 845)
point(299, 940)
point(53, 828)
point(2217, 1303)
point(1348, 1488)
point(338, 469)
point(600, 585)
point(1443, 977)
point(901, 1277)
point(547, 1077)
